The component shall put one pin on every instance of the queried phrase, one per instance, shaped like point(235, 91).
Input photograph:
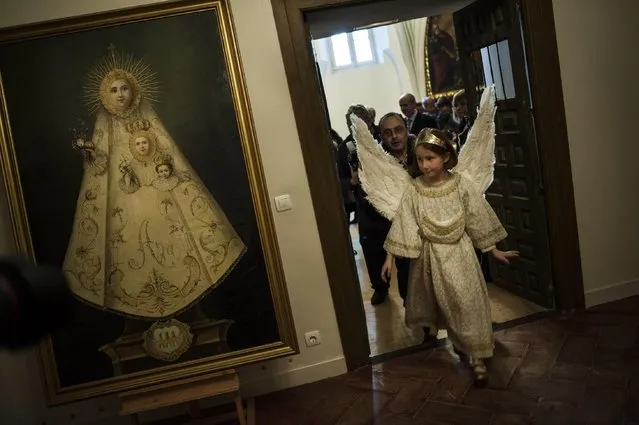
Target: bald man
point(415, 121)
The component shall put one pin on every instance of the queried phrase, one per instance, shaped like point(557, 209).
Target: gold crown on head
point(164, 160)
point(427, 137)
point(138, 125)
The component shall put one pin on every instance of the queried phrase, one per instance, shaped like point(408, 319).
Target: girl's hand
point(387, 268)
point(504, 256)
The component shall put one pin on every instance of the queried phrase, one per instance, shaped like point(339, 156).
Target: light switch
point(283, 203)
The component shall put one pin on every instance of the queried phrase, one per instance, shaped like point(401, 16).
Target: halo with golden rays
point(118, 66)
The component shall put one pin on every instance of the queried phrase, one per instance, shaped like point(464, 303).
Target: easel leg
point(135, 419)
point(239, 408)
point(195, 413)
point(250, 411)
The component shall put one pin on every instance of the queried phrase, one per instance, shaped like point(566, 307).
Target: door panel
point(492, 52)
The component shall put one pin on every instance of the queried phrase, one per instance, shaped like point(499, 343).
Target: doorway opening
point(375, 64)
point(540, 218)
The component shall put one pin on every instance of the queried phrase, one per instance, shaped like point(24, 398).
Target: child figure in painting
point(441, 219)
point(166, 178)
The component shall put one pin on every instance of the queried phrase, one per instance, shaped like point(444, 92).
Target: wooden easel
point(187, 391)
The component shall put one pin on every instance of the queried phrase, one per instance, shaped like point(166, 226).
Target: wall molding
point(293, 377)
point(610, 293)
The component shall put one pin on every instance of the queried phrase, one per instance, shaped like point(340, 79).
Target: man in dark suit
point(415, 121)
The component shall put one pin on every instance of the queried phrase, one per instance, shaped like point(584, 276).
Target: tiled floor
point(385, 322)
point(575, 370)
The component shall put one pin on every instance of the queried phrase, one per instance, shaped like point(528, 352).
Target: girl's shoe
point(480, 371)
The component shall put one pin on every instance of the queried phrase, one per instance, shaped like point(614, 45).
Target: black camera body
point(34, 300)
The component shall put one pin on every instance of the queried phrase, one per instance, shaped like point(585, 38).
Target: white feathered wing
point(477, 156)
point(382, 177)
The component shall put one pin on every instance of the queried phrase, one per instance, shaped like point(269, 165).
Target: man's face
point(461, 108)
point(429, 105)
point(394, 134)
point(408, 106)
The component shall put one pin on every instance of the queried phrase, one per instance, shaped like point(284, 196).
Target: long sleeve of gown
point(404, 238)
point(482, 224)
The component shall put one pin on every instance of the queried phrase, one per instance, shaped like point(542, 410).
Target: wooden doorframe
point(552, 140)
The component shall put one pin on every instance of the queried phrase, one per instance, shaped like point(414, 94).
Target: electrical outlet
point(312, 338)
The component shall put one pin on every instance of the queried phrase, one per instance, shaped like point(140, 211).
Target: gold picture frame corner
point(288, 344)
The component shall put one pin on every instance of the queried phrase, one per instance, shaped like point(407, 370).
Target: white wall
point(596, 40)
point(378, 85)
point(22, 401)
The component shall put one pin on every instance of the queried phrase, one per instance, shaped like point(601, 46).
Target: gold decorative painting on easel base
point(143, 183)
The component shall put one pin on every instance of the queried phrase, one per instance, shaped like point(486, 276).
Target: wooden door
point(492, 51)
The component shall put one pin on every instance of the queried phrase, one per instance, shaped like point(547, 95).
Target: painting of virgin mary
point(148, 239)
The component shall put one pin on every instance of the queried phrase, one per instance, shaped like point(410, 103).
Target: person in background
point(461, 118)
point(444, 114)
point(415, 121)
point(462, 122)
point(344, 170)
point(430, 107)
point(372, 113)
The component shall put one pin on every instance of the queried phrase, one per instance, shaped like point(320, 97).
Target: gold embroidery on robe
point(439, 227)
point(148, 239)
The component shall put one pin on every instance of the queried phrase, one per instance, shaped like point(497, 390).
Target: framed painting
point(443, 69)
point(130, 161)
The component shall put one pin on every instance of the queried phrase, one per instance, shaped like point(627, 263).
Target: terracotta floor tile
point(365, 409)
point(509, 348)
point(501, 371)
point(411, 397)
point(554, 413)
point(581, 369)
point(578, 349)
point(501, 401)
point(540, 359)
point(509, 419)
point(601, 406)
point(454, 414)
point(548, 389)
point(369, 379)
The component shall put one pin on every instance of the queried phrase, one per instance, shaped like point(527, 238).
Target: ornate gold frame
point(429, 88)
point(288, 344)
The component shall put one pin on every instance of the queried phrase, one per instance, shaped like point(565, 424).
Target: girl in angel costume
point(148, 239)
point(437, 220)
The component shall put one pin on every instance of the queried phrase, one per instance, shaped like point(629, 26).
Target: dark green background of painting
point(43, 82)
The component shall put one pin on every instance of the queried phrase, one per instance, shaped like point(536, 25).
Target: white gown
point(142, 244)
point(438, 227)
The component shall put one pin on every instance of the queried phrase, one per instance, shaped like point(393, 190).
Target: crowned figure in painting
point(148, 239)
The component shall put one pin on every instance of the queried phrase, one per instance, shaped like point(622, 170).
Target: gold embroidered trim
point(491, 238)
point(444, 230)
point(446, 188)
point(401, 246)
